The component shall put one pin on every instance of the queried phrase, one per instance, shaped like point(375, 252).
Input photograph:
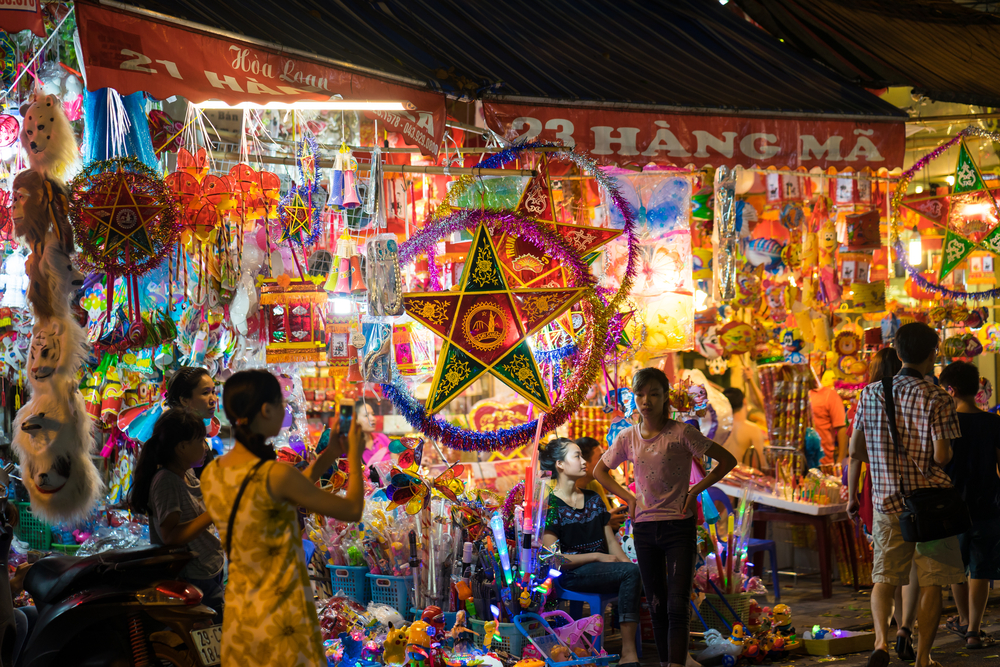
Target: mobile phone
point(346, 413)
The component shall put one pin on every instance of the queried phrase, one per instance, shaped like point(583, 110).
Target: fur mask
point(52, 431)
point(47, 136)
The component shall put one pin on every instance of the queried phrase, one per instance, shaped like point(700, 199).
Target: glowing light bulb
point(915, 250)
point(919, 189)
point(951, 180)
point(700, 300)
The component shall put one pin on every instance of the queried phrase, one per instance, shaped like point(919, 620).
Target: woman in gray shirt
point(165, 488)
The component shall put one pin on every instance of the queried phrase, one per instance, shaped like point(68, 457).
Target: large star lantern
point(124, 216)
point(485, 326)
point(119, 215)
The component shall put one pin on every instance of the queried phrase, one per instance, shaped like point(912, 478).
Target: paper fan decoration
point(299, 209)
point(124, 216)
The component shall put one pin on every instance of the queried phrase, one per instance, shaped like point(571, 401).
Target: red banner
point(640, 137)
point(131, 53)
point(18, 15)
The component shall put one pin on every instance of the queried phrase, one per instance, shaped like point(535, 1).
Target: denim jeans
point(24, 621)
point(666, 551)
point(213, 594)
point(608, 579)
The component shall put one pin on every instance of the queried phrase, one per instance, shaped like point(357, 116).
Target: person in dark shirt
point(973, 470)
point(595, 562)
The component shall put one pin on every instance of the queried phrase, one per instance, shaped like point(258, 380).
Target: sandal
point(953, 626)
point(878, 658)
point(978, 641)
point(904, 646)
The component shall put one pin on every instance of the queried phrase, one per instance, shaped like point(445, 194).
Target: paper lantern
point(295, 314)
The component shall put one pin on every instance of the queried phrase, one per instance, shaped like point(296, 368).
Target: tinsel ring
point(102, 189)
point(591, 351)
point(894, 218)
point(597, 310)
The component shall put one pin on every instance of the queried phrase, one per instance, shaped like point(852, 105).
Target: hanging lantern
point(296, 323)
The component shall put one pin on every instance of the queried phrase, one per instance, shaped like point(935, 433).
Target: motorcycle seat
point(53, 577)
point(50, 577)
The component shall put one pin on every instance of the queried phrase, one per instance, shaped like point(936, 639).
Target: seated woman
point(595, 562)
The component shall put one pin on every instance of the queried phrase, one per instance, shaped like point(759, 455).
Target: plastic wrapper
point(385, 615)
point(341, 614)
point(117, 533)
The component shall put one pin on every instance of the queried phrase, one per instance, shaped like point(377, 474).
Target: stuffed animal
point(47, 136)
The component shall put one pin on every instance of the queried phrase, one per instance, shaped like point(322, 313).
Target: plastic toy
point(489, 631)
point(781, 624)
point(717, 645)
point(758, 618)
point(418, 643)
point(394, 646)
point(549, 645)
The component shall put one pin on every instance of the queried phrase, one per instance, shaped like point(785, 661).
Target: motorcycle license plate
point(209, 644)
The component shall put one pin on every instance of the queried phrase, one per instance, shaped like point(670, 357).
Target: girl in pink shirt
point(664, 507)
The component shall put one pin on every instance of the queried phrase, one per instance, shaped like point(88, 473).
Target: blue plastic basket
point(392, 591)
point(351, 580)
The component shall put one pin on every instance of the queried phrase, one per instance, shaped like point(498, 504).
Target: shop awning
point(945, 51)
point(603, 75)
point(164, 57)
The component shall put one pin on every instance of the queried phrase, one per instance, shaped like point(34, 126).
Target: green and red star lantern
point(485, 326)
point(972, 214)
point(124, 216)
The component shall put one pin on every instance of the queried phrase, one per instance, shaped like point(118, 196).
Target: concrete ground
point(850, 610)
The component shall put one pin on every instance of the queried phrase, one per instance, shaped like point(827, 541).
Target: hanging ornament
point(295, 314)
point(125, 221)
point(203, 198)
point(9, 129)
point(257, 193)
point(299, 209)
point(124, 216)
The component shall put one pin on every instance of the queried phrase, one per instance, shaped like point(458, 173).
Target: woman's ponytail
point(243, 396)
point(174, 426)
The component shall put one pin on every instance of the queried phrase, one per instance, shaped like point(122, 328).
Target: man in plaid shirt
point(927, 423)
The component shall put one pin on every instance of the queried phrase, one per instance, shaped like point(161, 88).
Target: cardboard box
point(847, 642)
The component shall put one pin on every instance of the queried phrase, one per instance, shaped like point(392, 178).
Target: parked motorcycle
point(122, 608)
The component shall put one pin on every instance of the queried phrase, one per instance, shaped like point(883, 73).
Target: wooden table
point(788, 511)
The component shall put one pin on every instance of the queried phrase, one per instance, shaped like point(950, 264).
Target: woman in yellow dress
point(270, 615)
